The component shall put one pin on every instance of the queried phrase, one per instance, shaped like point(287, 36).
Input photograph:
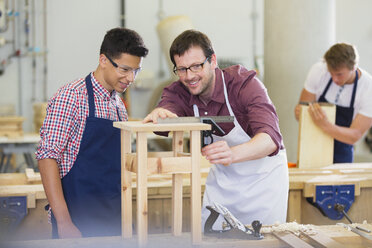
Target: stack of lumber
point(39, 114)
point(11, 126)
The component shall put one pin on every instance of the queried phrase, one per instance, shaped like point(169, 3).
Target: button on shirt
point(64, 124)
point(248, 98)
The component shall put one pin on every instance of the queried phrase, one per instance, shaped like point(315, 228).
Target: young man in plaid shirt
point(79, 151)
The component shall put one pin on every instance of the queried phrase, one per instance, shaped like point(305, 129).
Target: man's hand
point(218, 153)
point(68, 230)
point(297, 111)
point(318, 115)
point(158, 113)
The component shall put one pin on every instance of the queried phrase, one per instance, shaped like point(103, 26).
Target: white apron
point(251, 190)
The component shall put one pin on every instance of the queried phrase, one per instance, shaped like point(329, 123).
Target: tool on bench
point(236, 229)
point(341, 209)
point(356, 230)
point(328, 196)
point(207, 137)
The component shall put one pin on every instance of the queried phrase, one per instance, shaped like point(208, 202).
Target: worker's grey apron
point(251, 190)
point(92, 186)
point(342, 153)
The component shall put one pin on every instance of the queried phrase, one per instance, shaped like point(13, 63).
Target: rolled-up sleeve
point(57, 125)
point(261, 113)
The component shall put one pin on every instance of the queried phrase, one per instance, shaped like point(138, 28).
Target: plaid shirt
point(64, 124)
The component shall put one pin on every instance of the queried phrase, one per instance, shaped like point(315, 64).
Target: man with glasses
point(249, 173)
point(79, 151)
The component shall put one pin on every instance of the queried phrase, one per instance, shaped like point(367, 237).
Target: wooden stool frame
point(175, 162)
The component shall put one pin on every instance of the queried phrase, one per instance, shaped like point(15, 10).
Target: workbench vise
point(233, 229)
point(333, 200)
point(12, 211)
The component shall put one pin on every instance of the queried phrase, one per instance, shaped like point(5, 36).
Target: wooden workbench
point(159, 195)
point(329, 236)
point(302, 182)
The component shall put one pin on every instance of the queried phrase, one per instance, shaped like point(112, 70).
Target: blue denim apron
point(92, 186)
point(343, 153)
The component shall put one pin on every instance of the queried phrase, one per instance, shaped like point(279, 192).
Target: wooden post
point(142, 211)
point(195, 188)
point(177, 187)
point(126, 186)
point(294, 206)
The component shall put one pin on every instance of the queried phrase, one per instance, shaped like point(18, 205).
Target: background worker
point(339, 80)
point(250, 157)
point(79, 151)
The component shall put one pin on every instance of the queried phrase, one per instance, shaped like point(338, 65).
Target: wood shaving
point(292, 227)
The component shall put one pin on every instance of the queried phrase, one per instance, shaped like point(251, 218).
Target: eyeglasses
point(181, 71)
point(124, 70)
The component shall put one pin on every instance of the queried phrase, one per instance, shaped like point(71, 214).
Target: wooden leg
point(294, 206)
point(177, 188)
point(177, 204)
point(142, 212)
point(195, 188)
point(126, 186)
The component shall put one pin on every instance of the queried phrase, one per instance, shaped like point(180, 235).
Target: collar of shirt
point(217, 96)
point(101, 91)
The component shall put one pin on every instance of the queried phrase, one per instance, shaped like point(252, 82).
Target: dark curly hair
point(123, 40)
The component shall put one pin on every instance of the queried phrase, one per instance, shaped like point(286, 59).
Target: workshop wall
point(75, 30)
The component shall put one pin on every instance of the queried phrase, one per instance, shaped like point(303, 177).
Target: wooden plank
point(315, 148)
point(14, 190)
point(161, 165)
point(324, 240)
point(31, 176)
point(126, 185)
point(294, 206)
point(177, 179)
point(196, 233)
point(31, 200)
point(142, 211)
point(10, 127)
point(11, 119)
point(160, 154)
point(12, 179)
point(11, 134)
point(138, 126)
point(292, 240)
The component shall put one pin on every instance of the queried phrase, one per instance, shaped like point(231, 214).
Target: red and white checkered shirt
point(64, 124)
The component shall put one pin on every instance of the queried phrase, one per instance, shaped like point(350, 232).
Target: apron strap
point(326, 89)
point(354, 90)
point(196, 110)
point(88, 83)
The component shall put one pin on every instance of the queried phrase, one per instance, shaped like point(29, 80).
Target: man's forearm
point(261, 145)
point(49, 172)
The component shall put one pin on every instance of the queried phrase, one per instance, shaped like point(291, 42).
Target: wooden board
point(138, 126)
point(11, 126)
point(292, 240)
point(315, 148)
point(324, 240)
point(39, 114)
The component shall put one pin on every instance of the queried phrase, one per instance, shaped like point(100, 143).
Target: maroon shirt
point(248, 98)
